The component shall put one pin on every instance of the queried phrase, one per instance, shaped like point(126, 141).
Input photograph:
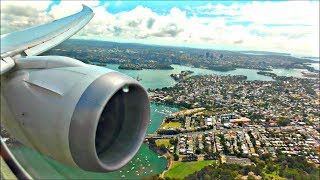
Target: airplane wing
point(35, 40)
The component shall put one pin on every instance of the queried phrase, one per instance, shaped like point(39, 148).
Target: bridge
point(156, 136)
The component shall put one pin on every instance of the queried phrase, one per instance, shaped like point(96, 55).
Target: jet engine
point(86, 116)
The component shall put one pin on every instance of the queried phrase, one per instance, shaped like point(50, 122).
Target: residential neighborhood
point(241, 139)
point(234, 121)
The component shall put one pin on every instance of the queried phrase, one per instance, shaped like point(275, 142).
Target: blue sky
point(163, 8)
point(156, 6)
point(160, 7)
point(280, 26)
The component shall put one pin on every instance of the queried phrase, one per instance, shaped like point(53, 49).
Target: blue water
point(289, 72)
point(316, 66)
point(161, 78)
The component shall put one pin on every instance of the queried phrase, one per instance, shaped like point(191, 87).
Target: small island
point(182, 75)
point(132, 66)
point(310, 74)
point(264, 73)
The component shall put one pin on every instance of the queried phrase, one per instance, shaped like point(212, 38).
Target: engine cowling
point(85, 116)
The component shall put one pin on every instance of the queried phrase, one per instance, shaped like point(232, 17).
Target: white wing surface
point(35, 40)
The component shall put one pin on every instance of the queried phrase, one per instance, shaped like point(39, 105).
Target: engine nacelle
point(85, 116)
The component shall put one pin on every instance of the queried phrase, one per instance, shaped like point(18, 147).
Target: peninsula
point(149, 65)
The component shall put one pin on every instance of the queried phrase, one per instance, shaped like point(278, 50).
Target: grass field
point(180, 170)
point(273, 175)
point(165, 142)
point(171, 124)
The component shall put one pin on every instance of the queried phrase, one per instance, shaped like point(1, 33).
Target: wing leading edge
point(35, 40)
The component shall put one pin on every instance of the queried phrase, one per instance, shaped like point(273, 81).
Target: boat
point(138, 78)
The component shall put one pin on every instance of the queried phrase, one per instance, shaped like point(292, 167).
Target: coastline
point(167, 154)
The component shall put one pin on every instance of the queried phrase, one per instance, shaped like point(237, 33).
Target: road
point(214, 130)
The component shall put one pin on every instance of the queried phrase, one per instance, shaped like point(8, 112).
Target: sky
point(277, 26)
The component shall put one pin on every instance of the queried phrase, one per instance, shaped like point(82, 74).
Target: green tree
point(270, 168)
point(163, 148)
point(206, 177)
point(251, 177)
point(283, 121)
point(173, 141)
point(175, 157)
point(198, 151)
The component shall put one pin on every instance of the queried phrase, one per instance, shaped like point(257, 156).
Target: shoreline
point(304, 67)
point(170, 161)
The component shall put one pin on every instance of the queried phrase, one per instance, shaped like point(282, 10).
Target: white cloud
point(70, 7)
point(18, 15)
point(143, 25)
point(267, 12)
